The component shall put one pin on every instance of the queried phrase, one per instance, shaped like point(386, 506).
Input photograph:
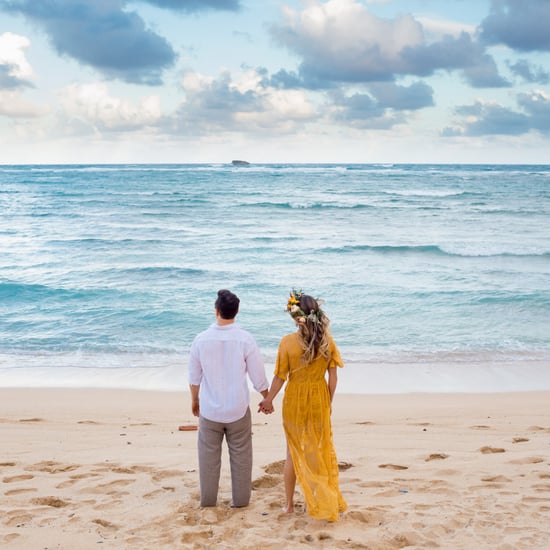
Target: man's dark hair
point(227, 304)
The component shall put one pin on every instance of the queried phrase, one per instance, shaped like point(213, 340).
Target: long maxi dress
point(306, 421)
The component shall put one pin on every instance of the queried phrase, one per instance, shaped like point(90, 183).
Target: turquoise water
point(117, 267)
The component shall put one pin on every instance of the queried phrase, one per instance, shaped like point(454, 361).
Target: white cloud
point(13, 105)
point(341, 41)
point(436, 28)
point(12, 55)
point(240, 103)
point(92, 103)
point(344, 29)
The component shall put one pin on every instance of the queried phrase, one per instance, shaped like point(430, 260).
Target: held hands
point(266, 406)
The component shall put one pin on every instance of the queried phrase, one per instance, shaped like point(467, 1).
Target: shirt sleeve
point(282, 364)
point(255, 367)
point(194, 369)
point(335, 357)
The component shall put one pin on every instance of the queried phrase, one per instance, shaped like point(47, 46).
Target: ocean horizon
point(435, 277)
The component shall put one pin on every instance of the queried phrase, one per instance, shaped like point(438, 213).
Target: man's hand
point(195, 409)
point(266, 406)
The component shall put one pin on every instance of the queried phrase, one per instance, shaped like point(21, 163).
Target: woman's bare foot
point(289, 509)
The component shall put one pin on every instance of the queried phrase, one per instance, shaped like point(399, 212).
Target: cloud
point(341, 41)
point(401, 98)
point(247, 103)
point(518, 24)
point(90, 105)
point(100, 34)
point(452, 53)
point(529, 72)
point(383, 107)
point(13, 105)
point(490, 118)
point(436, 29)
point(15, 70)
point(537, 106)
point(16, 75)
point(107, 36)
point(196, 5)
point(362, 111)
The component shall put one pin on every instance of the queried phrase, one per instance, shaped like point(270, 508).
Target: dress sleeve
point(335, 357)
point(282, 364)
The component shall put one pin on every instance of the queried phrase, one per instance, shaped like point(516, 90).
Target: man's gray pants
point(238, 435)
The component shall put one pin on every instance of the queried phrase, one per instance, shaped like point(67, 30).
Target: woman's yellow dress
point(307, 425)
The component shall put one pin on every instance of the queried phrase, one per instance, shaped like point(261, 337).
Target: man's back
point(221, 358)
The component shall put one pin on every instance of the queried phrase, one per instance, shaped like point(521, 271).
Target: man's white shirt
point(220, 361)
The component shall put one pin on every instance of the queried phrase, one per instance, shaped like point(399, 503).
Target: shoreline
point(481, 376)
point(106, 466)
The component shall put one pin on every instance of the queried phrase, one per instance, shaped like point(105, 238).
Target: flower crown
point(293, 307)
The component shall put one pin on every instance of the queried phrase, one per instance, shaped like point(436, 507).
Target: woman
point(303, 359)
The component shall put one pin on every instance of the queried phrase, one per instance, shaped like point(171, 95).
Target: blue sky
point(116, 81)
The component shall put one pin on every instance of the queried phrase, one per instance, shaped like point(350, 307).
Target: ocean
point(435, 277)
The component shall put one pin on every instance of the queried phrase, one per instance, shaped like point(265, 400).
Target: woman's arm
point(332, 381)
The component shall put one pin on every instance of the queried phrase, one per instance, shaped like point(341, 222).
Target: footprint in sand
point(14, 492)
point(275, 467)
point(65, 484)
point(519, 440)
point(52, 467)
point(14, 479)
point(480, 427)
point(265, 482)
point(528, 460)
point(159, 476)
point(496, 479)
point(7, 464)
point(31, 420)
point(436, 456)
point(491, 450)
point(105, 523)
point(393, 467)
point(196, 532)
point(343, 466)
point(17, 518)
point(116, 483)
point(358, 515)
point(54, 502)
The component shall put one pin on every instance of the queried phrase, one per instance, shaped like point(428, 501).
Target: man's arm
point(195, 408)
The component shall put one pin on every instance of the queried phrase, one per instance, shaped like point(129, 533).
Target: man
point(220, 360)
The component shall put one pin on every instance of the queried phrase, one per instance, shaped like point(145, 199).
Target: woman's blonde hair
point(313, 328)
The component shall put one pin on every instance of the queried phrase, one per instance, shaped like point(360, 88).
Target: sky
point(268, 81)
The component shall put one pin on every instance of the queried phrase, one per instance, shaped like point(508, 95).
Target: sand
point(84, 468)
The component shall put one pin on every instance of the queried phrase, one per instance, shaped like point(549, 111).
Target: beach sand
point(84, 468)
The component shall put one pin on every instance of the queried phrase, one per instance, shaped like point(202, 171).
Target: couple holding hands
point(221, 359)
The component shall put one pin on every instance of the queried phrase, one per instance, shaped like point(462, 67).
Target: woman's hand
point(266, 406)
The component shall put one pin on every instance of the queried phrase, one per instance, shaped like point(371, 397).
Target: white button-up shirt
point(220, 360)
